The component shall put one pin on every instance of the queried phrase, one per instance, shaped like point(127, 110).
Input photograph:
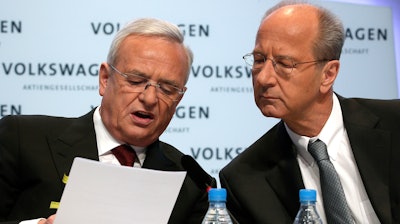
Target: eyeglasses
point(282, 65)
point(138, 84)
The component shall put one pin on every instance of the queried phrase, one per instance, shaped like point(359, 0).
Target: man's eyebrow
point(144, 75)
point(273, 56)
point(137, 72)
point(170, 82)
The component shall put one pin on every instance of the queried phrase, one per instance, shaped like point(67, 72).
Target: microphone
point(198, 175)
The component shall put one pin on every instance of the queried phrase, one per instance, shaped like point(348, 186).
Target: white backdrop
point(50, 52)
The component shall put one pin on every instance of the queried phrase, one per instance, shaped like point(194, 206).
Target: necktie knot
point(125, 155)
point(318, 150)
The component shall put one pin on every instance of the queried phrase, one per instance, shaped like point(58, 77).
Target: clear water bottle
point(217, 212)
point(307, 213)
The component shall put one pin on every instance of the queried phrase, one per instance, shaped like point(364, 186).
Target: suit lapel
point(78, 140)
point(285, 177)
point(371, 151)
point(158, 159)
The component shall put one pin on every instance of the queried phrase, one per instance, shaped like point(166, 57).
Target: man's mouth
point(144, 115)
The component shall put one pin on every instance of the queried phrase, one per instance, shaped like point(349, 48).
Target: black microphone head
point(196, 173)
point(200, 177)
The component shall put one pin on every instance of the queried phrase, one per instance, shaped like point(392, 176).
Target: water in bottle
point(217, 212)
point(307, 213)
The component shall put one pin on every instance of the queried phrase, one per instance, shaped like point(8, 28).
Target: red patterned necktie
point(125, 155)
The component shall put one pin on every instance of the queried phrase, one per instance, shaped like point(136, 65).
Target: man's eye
point(168, 89)
point(137, 81)
point(284, 63)
point(258, 61)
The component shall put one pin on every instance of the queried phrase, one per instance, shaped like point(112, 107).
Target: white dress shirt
point(105, 143)
point(334, 135)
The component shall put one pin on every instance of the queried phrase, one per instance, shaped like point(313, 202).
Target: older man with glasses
point(348, 149)
point(141, 84)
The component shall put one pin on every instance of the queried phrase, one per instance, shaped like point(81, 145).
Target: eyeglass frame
point(274, 63)
point(150, 82)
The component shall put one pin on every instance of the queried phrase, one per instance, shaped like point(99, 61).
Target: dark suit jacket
point(36, 151)
point(263, 182)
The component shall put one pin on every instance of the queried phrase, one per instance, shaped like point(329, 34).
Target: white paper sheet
point(99, 193)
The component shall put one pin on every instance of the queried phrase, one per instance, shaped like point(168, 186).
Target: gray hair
point(149, 27)
point(330, 40)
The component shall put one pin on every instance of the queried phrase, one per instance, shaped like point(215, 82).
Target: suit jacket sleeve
point(35, 153)
point(25, 171)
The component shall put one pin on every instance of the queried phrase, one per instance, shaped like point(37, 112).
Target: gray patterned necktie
point(335, 205)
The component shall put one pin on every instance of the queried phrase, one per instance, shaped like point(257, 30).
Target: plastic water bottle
point(217, 212)
point(307, 213)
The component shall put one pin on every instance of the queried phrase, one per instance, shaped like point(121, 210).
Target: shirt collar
point(332, 129)
point(105, 141)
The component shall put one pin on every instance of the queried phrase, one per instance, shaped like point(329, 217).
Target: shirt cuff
point(32, 221)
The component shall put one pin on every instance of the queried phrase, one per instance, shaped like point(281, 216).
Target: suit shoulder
point(262, 150)
point(371, 113)
point(43, 121)
point(385, 109)
point(167, 147)
point(39, 121)
point(384, 104)
point(171, 152)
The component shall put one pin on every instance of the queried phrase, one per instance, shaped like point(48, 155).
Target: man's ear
point(329, 74)
point(104, 75)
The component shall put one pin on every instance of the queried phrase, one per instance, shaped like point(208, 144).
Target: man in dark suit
point(294, 65)
point(141, 84)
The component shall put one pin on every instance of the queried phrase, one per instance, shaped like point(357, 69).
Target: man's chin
point(141, 138)
point(270, 111)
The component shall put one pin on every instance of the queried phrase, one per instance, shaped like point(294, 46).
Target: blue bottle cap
point(308, 195)
point(217, 194)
